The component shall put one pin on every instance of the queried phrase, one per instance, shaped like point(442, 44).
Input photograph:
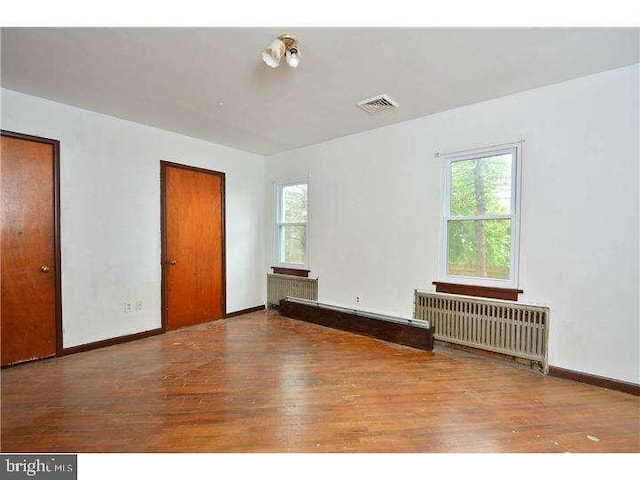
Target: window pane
point(293, 239)
point(481, 186)
point(479, 248)
point(294, 203)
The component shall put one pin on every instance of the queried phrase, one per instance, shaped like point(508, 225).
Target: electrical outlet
point(139, 304)
point(128, 306)
point(357, 298)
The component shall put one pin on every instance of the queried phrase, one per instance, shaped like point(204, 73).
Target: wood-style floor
point(264, 383)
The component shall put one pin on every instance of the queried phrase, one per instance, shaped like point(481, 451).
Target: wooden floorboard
point(265, 383)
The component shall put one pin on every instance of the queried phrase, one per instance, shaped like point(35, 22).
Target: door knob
point(44, 268)
point(173, 262)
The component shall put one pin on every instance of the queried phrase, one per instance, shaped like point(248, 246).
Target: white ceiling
point(177, 78)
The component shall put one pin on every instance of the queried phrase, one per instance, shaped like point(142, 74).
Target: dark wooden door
point(193, 266)
point(28, 249)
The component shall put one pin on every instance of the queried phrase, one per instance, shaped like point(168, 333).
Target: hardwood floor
point(264, 383)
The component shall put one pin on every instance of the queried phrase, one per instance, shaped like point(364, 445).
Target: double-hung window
point(292, 224)
point(481, 217)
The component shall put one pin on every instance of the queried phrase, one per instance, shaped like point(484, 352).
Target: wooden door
point(193, 245)
point(30, 318)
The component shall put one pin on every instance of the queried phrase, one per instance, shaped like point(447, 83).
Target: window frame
point(279, 223)
point(516, 167)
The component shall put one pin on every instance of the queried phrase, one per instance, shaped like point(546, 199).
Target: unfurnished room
point(319, 240)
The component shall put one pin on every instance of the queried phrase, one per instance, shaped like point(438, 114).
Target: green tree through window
point(292, 223)
point(480, 216)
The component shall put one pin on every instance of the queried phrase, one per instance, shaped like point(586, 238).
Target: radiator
point(509, 328)
point(280, 286)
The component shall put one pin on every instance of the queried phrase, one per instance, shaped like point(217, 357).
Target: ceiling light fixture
point(286, 45)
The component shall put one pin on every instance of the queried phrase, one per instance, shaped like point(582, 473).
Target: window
point(481, 217)
point(292, 224)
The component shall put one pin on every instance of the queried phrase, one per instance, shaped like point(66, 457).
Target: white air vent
point(377, 104)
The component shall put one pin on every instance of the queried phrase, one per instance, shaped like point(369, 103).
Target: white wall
point(376, 196)
point(110, 214)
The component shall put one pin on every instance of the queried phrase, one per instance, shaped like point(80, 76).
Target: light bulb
point(273, 53)
point(293, 58)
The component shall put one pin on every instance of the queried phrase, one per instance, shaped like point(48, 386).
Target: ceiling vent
point(377, 104)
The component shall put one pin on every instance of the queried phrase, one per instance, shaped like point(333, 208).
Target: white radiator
point(504, 327)
point(280, 286)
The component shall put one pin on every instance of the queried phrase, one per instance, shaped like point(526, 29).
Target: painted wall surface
point(375, 204)
point(110, 214)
